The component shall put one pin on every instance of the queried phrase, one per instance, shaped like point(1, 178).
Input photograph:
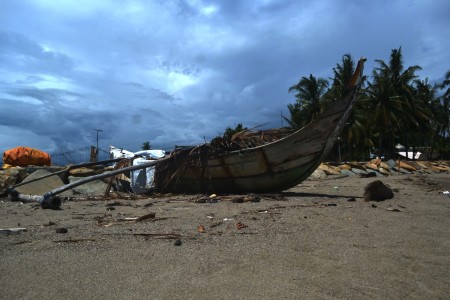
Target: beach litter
point(240, 225)
point(201, 228)
point(394, 209)
point(16, 230)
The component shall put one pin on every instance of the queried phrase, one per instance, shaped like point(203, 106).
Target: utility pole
point(96, 149)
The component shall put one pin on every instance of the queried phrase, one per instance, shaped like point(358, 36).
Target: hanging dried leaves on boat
point(184, 158)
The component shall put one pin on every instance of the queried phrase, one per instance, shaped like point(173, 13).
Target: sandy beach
point(319, 240)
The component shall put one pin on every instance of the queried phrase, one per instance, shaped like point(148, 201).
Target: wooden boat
point(272, 167)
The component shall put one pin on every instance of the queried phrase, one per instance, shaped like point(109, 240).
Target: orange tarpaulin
point(24, 156)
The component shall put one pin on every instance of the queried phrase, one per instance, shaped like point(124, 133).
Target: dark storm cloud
point(46, 96)
point(24, 54)
point(179, 72)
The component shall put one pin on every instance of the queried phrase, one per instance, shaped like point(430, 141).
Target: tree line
point(395, 106)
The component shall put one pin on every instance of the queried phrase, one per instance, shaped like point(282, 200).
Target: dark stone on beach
point(61, 230)
point(347, 172)
point(367, 175)
point(377, 191)
point(178, 242)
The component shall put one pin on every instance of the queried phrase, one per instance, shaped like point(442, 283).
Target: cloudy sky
point(181, 71)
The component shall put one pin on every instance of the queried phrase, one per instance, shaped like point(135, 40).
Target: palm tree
point(146, 145)
point(296, 116)
point(393, 106)
point(308, 106)
point(354, 136)
point(446, 103)
point(443, 107)
point(429, 113)
point(342, 74)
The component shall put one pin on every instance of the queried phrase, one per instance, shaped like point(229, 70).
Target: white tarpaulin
point(141, 180)
point(410, 155)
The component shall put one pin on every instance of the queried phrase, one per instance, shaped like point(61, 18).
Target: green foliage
point(309, 92)
point(230, 131)
point(394, 106)
point(146, 146)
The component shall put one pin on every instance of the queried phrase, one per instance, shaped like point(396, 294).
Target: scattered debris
point(242, 199)
point(240, 225)
point(204, 199)
point(169, 236)
point(146, 217)
point(276, 197)
point(215, 224)
point(393, 209)
point(115, 203)
point(447, 193)
point(61, 230)
point(15, 230)
point(107, 220)
point(351, 200)
point(232, 198)
point(201, 228)
point(74, 240)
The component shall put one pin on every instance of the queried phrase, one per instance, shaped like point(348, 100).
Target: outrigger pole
point(48, 200)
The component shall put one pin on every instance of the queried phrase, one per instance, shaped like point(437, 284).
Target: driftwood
point(50, 201)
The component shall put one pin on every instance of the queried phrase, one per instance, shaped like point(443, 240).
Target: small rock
point(367, 175)
point(407, 166)
point(318, 174)
point(377, 191)
point(329, 170)
point(178, 242)
point(384, 171)
point(391, 163)
point(372, 166)
point(347, 172)
point(345, 167)
point(61, 230)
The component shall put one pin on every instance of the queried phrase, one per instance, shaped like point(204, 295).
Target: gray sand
point(315, 244)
